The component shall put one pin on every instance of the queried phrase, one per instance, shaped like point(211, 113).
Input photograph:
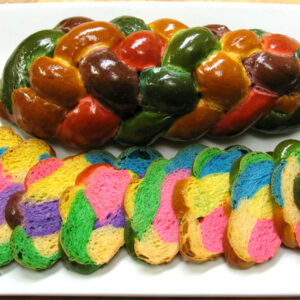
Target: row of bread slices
point(203, 202)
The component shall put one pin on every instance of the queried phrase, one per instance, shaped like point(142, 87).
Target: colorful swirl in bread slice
point(251, 236)
point(202, 203)
point(35, 242)
point(285, 190)
point(92, 211)
point(151, 232)
point(92, 216)
point(14, 165)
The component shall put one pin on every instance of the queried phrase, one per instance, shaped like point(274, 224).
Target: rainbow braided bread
point(14, 165)
point(92, 210)
point(202, 203)
point(285, 190)
point(35, 240)
point(135, 82)
point(151, 232)
point(251, 236)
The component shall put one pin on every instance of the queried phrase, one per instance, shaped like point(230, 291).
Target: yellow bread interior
point(130, 196)
point(52, 186)
point(18, 160)
point(291, 213)
point(261, 205)
point(152, 249)
point(104, 243)
point(285, 230)
point(239, 229)
point(243, 219)
point(47, 245)
point(5, 233)
point(191, 244)
point(204, 195)
point(8, 138)
point(66, 200)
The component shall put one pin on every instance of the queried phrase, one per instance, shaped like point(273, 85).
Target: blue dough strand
point(254, 177)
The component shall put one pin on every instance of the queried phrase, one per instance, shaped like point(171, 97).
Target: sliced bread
point(92, 216)
point(285, 190)
point(14, 165)
point(151, 232)
point(35, 242)
point(202, 203)
point(251, 236)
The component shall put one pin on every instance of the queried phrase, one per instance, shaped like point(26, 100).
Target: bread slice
point(202, 203)
point(14, 165)
point(92, 217)
point(35, 242)
point(8, 139)
point(285, 190)
point(151, 232)
point(251, 236)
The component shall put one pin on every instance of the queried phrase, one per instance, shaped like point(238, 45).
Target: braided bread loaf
point(87, 82)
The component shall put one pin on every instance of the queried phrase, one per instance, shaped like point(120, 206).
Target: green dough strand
point(147, 199)
point(25, 253)
point(5, 255)
point(76, 231)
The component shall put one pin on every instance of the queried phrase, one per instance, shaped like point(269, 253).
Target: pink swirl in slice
point(264, 241)
point(165, 221)
point(105, 191)
point(213, 228)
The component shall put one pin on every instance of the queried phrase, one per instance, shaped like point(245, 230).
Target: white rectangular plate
point(123, 276)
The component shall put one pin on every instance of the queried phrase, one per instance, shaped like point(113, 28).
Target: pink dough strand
point(42, 170)
point(165, 221)
point(5, 179)
point(106, 189)
point(212, 229)
point(264, 241)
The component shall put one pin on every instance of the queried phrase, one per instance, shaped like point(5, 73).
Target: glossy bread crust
point(161, 79)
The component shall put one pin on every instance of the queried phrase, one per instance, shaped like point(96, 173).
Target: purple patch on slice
point(97, 224)
point(116, 219)
point(41, 219)
point(5, 195)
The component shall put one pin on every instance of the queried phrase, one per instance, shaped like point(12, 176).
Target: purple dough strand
point(97, 224)
point(41, 219)
point(116, 219)
point(5, 195)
